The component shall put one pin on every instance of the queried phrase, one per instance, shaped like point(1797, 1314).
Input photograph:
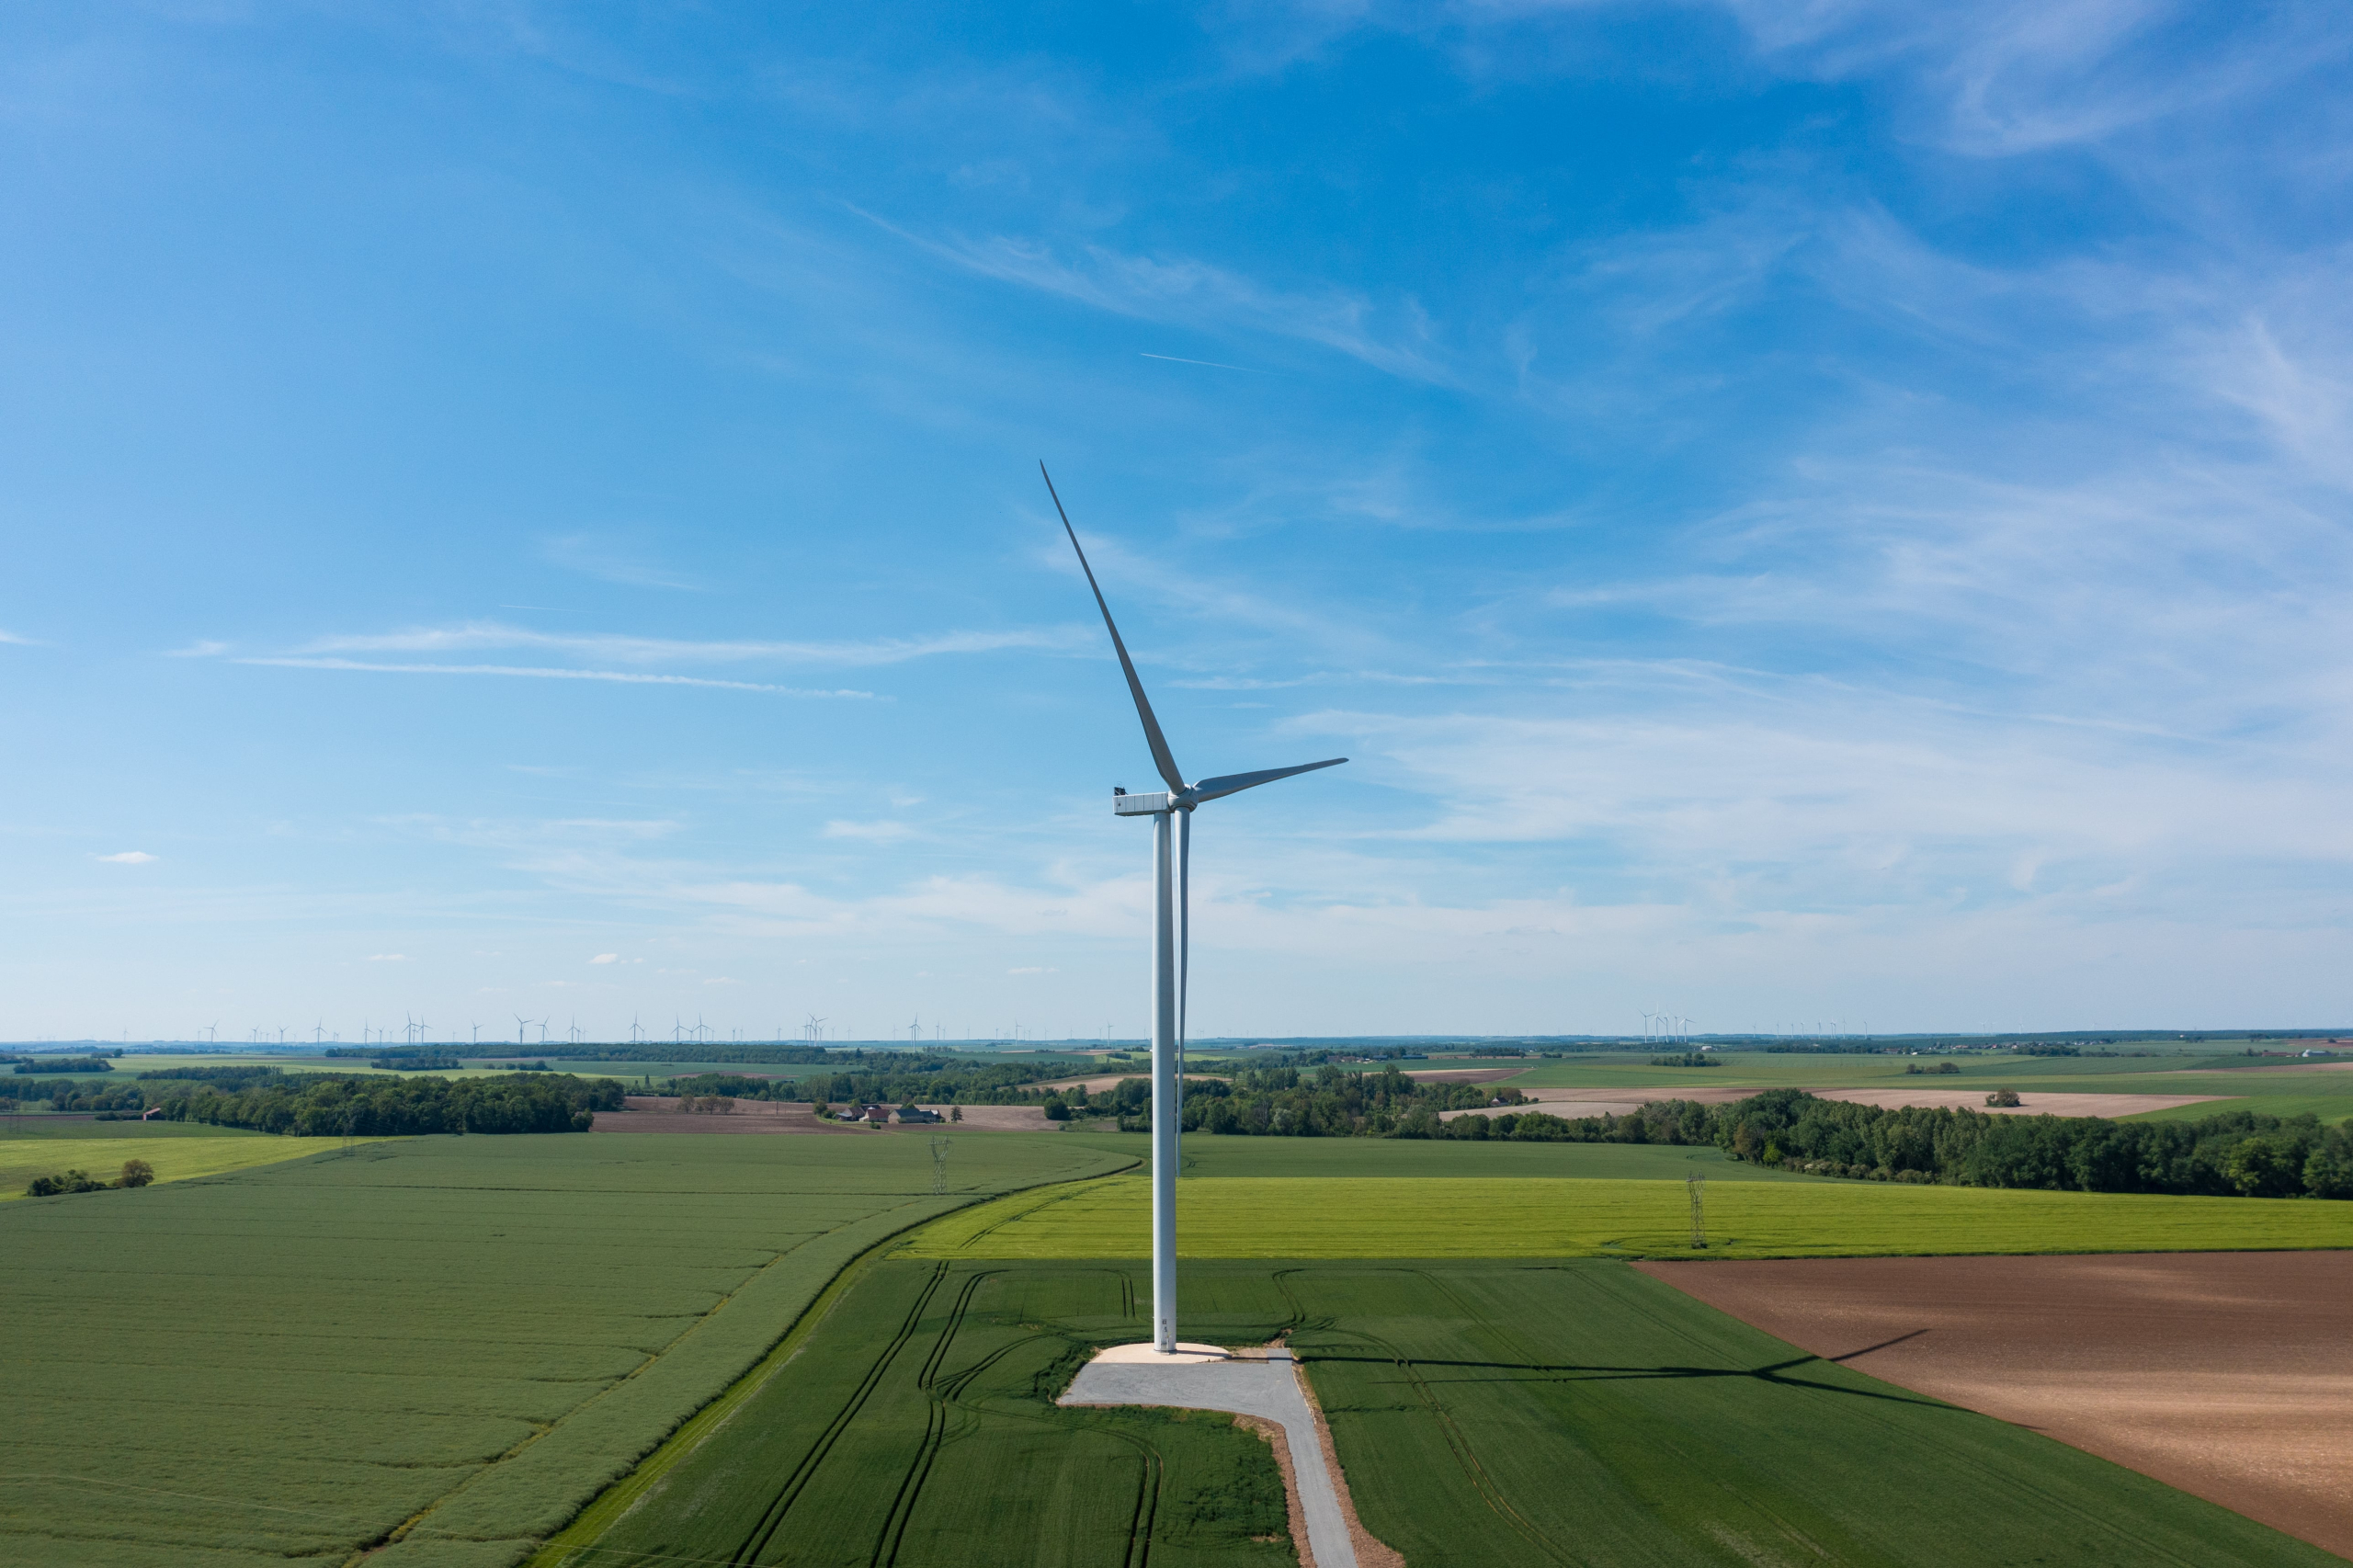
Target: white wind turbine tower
point(521, 1023)
point(1171, 942)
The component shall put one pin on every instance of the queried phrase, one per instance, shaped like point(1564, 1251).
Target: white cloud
point(606, 958)
point(202, 649)
point(1181, 291)
point(630, 678)
point(130, 857)
point(629, 649)
point(11, 637)
point(871, 832)
point(1034, 969)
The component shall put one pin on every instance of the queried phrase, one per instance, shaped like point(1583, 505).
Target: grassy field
point(175, 1158)
point(472, 1335)
point(1486, 1414)
point(1323, 1217)
point(1206, 1154)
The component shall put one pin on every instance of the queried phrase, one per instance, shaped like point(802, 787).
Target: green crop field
point(1471, 1217)
point(1207, 1154)
point(1486, 1414)
point(18, 1125)
point(174, 1159)
point(470, 1335)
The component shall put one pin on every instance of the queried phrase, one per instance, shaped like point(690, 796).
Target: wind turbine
point(1171, 940)
point(521, 1023)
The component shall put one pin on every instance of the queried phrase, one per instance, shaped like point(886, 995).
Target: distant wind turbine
point(1171, 939)
point(521, 1023)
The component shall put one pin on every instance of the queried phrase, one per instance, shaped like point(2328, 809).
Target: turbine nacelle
point(1126, 805)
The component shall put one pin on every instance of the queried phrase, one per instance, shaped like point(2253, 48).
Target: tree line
point(328, 1105)
point(1286, 1100)
point(2233, 1154)
point(921, 1080)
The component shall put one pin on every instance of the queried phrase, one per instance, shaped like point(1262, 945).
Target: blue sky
point(1807, 512)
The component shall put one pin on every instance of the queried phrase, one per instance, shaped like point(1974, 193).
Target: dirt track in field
point(2031, 1101)
point(2229, 1375)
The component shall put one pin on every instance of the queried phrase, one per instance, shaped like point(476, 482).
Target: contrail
point(1210, 363)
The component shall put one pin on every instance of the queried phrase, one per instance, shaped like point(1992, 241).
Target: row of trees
point(1331, 1101)
point(2237, 1153)
point(316, 1104)
point(884, 1080)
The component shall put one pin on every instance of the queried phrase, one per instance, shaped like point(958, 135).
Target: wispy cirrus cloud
point(625, 678)
point(1398, 338)
point(130, 857)
point(635, 650)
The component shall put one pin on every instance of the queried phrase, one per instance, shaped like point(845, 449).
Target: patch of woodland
point(135, 1173)
point(327, 1105)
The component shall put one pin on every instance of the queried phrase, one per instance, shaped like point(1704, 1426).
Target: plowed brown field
point(2229, 1375)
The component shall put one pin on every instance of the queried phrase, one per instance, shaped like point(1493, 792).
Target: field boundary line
point(607, 1508)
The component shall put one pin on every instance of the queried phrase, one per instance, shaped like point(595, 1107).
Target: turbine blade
point(1234, 783)
point(1152, 737)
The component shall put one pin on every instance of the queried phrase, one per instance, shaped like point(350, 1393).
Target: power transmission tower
point(939, 1147)
point(1698, 1188)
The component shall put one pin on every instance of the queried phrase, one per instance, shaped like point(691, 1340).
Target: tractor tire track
point(772, 1518)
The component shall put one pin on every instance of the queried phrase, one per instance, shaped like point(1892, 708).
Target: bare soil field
point(2031, 1101)
point(2229, 1375)
point(999, 1118)
point(653, 1113)
point(1571, 1102)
